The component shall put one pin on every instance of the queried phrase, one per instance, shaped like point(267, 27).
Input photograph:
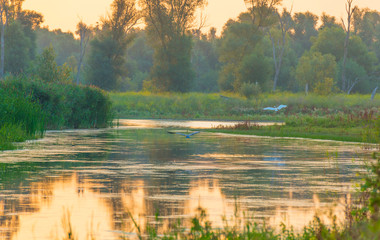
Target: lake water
point(94, 180)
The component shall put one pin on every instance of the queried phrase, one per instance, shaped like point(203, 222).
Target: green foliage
point(103, 68)
point(212, 106)
point(304, 29)
point(17, 49)
point(63, 43)
point(255, 68)
point(250, 90)
point(324, 87)
point(168, 28)
point(356, 76)
point(206, 65)
point(227, 77)
point(106, 64)
point(20, 118)
point(139, 61)
point(329, 41)
point(314, 68)
point(64, 106)
point(245, 56)
point(47, 70)
point(172, 70)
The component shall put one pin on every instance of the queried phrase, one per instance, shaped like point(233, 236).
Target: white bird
point(186, 135)
point(275, 108)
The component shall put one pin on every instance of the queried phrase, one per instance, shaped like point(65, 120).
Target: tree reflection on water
point(103, 177)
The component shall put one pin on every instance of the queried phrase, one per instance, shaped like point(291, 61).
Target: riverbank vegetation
point(29, 107)
point(335, 117)
point(311, 63)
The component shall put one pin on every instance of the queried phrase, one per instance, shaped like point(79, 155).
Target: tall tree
point(245, 55)
point(107, 58)
point(304, 29)
point(168, 24)
point(4, 15)
point(84, 33)
point(279, 43)
point(350, 11)
point(11, 11)
point(264, 15)
point(315, 69)
point(328, 21)
point(262, 11)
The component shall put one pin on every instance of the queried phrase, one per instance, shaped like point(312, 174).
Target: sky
point(66, 14)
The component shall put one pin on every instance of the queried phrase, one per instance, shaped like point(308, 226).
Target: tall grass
point(215, 106)
point(64, 105)
point(20, 119)
point(28, 108)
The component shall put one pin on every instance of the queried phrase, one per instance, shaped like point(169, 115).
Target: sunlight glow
point(66, 14)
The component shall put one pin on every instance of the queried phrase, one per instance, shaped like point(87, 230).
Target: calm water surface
point(95, 179)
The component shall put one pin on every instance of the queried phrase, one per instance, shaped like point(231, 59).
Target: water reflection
point(184, 123)
point(96, 180)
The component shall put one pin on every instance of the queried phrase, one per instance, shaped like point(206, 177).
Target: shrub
point(250, 90)
point(64, 105)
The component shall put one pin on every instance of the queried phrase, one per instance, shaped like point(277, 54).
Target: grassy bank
point(336, 117)
point(233, 107)
point(352, 130)
point(28, 108)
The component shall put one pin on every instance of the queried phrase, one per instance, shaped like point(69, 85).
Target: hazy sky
point(66, 14)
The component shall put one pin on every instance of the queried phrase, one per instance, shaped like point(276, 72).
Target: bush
point(250, 90)
point(64, 105)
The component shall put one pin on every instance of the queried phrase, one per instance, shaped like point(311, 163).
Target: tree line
point(266, 48)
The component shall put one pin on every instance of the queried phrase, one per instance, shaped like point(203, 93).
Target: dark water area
point(96, 179)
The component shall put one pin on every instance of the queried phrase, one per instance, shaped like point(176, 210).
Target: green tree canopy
point(47, 70)
point(314, 68)
point(330, 41)
point(107, 59)
point(168, 24)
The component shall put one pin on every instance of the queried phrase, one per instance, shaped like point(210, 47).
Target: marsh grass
point(234, 107)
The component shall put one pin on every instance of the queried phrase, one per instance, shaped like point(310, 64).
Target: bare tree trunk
point(280, 48)
point(352, 86)
point(80, 60)
point(277, 60)
point(2, 47)
point(350, 12)
point(84, 32)
point(4, 8)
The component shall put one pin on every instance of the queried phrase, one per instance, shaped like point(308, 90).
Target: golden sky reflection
point(91, 212)
point(66, 14)
point(88, 213)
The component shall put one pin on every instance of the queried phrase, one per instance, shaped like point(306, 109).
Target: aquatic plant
point(28, 108)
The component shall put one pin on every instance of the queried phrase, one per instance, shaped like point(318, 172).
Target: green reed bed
point(20, 119)
point(28, 108)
